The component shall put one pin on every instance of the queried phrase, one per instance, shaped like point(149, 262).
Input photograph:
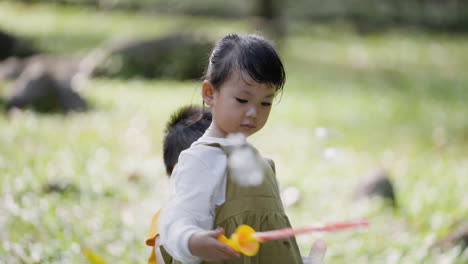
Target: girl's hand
point(317, 252)
point(205, 245)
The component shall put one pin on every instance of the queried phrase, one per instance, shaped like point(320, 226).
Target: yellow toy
point(246, 241)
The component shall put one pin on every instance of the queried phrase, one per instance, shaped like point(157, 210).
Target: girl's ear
point(208, 92)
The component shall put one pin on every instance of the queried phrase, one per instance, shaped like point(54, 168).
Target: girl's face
point(240, 105)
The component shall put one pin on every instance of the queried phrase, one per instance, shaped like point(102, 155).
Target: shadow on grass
point(69, 43)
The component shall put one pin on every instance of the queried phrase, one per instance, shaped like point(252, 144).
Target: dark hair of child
point(184, 127)
point(251, 55)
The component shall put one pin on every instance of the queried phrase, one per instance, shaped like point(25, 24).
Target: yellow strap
point(152, 258)
point(154, 231)
point(151, 239)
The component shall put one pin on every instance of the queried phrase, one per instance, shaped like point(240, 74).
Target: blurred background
point(373, 121)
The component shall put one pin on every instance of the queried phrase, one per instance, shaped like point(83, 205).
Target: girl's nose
point(252, 112)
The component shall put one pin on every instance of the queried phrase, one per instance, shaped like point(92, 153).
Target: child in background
point(184, 127)
point(243, 77)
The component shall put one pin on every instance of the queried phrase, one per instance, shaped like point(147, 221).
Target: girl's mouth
point(248, 127)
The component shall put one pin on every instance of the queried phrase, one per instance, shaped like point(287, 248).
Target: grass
point(63, 30)
point(394, 100)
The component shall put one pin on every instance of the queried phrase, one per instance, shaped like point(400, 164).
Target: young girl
point(243, 77)
point(184, 127)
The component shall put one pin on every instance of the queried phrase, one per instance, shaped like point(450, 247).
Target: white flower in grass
point(245, 165)
point(317, 252)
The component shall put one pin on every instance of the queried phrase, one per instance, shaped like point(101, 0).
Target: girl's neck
point(212, 131)
point(215, 132)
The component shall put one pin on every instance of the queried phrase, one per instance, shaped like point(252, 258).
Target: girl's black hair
point(250, 54)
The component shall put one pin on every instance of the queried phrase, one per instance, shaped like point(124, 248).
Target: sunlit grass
point(395, 100)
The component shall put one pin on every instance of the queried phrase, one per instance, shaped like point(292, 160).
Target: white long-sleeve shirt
point(199, 183)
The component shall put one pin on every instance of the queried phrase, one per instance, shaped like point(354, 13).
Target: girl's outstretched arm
point(196, 182)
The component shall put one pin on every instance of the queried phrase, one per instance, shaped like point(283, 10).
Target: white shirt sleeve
point(197, 188)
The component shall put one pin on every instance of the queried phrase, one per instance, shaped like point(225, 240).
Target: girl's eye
point(242, 101)
point(266, 104)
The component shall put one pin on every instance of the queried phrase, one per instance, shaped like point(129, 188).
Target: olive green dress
point(259, 207)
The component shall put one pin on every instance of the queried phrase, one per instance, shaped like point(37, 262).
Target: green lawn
point(394, 100)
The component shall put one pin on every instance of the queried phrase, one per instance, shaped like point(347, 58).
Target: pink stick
point(289, 232)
